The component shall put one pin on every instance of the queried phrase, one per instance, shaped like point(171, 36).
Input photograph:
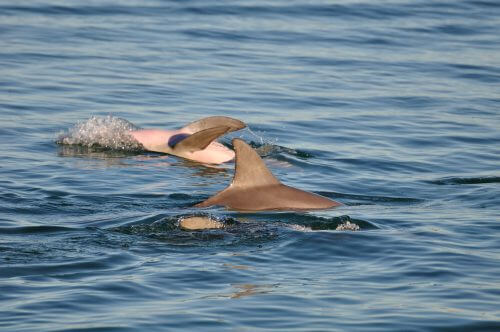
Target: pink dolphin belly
point(215, 153)
point(158, 140)
point(151, 139)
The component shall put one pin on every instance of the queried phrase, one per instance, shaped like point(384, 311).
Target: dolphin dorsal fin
point(250, 169)
point(201, 139)
point(214, 121)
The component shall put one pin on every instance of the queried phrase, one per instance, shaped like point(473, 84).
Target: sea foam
point(101, 131)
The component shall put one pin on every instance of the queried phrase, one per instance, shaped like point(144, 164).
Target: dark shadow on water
point(369, 200)
point(28, 230)
point(461, 181)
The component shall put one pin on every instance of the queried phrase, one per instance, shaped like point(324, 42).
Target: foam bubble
point(108, 132)
point(300, 228)
point(347, 226)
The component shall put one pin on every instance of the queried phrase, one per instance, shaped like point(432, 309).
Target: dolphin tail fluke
point(214, 121)
point(201, 139)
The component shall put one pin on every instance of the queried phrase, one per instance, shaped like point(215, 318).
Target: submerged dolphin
point(196, 223)
point(254, 188)
point(194, 141)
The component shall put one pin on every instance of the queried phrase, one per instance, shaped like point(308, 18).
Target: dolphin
point(196, 223)
point(194, 141)
point(254, 188)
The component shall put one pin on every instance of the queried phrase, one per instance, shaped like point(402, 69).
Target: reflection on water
point(204, 170)
point(244, 290)
point(239, 291)
point(95, 157)
point(118, 156)
point(92, 152)
point(237, 267)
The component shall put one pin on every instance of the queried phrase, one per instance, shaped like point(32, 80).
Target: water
point(390, 107)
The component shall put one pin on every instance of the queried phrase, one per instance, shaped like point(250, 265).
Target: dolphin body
point(194, 141)
point(254, 188)
point(196, 223)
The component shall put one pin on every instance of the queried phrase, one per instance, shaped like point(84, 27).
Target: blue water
point(390, 107)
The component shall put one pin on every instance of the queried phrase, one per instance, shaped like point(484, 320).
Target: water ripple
point(389, 107)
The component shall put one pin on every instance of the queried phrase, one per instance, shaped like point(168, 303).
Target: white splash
point(347, 226)
point(299, 228)
point(108, 132)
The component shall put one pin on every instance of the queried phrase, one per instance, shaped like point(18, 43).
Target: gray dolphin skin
point(215, 121)
point(254, 188)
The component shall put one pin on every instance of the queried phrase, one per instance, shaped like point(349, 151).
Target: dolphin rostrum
point(254, 188)
point(195, 141)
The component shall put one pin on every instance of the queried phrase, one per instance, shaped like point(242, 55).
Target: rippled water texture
point(390, 107)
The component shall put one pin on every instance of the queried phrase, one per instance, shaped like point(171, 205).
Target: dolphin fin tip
point(250, 169)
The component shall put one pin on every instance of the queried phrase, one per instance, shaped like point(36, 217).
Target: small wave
point(308, 221)
point(83, 10)
point(167, 224)
point(370, 199)
point(344, 226)
point(272, 150)
point(459, 180)
point(163, 225)
point(236, 232)
point(266, 147)
point(168, 230)
point(340, 223)
point(34, 230)
point(106, 132)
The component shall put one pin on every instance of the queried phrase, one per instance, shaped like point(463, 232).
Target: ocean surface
point(389, 107)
